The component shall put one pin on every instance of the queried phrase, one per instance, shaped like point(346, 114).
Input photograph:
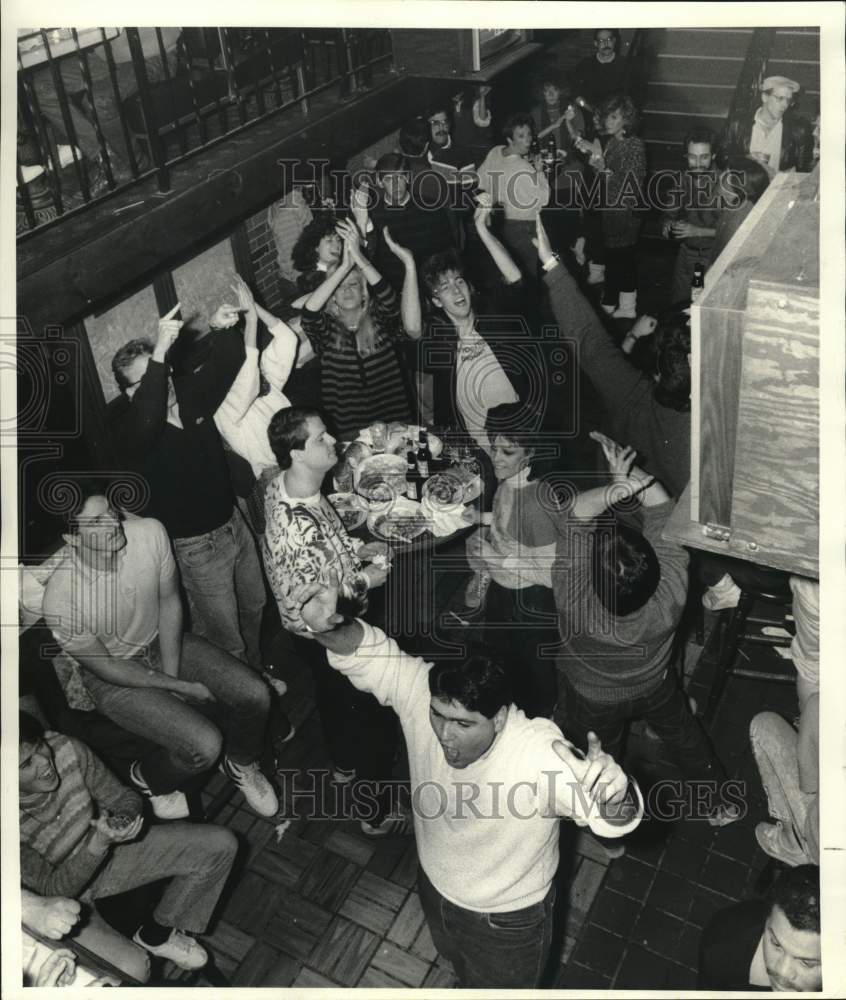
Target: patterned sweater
point(55, 826)
point(305, 541)
point(625, 161)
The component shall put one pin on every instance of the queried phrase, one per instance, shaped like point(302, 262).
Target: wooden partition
point(754, 490)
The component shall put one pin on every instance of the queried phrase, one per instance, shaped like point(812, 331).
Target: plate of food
point(444, 490)
point(381, 478)
point(398, 525)
point(351, 508)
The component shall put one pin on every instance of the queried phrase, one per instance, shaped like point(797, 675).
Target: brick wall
point(271, 289)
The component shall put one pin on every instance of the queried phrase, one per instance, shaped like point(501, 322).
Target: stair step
point(701, 42)
point(690, 69)
point(790, 44)
point(685, 98)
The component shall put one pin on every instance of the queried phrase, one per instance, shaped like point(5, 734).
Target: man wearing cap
point(773, 138)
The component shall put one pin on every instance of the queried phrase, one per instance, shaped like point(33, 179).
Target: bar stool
point(776, 595)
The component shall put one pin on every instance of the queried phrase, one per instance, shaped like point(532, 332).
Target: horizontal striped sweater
point(55, 826)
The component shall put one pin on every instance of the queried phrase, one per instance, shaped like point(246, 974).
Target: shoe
point(173, 805)
point(771, 838)
point(179, 948)
point(343, 775)
point(395, 824)
point(596, 273)
point(608, 308)
point(256, 788)
point(724, 816)
point(724, 594)
point(627, 308)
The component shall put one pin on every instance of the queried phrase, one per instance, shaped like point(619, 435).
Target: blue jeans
point(490, 950)
point(190, 737)
point(196, 857)
point(222, 578)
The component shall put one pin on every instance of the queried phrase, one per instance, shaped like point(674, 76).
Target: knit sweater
point(356, 389)
point(55, 826)
point(513, 182)
point(625, 161)
point(632, 414)
point(610, 658)
point(486, 834)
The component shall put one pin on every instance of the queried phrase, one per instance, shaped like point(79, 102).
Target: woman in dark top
point(356, 326)
point(623, 162)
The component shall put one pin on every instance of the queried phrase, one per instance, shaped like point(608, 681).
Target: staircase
point(692, 74)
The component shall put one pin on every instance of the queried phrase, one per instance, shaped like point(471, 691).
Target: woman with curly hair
point(357, 326)
point(318, 249)
point(623, 164)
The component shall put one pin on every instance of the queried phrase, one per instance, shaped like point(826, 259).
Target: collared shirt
point(120, 607)
point(767, 140)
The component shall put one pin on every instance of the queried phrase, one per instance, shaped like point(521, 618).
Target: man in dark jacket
point(772, 136)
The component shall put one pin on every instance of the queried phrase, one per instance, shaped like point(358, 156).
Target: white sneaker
point(596, 273)
point(256, 788)
point(172, 805)
point(278, 685)
point(396, 824)
point(179, 948)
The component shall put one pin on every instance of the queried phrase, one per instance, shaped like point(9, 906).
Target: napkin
point(446, 520)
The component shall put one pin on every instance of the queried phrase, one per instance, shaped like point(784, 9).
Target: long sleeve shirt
point(305, 542)
point(186, 469)
point(519, 786)
point(513, 182)
point(243, 416)
point(660, 435)
point(610, 658)
point(699, 204)
point(55, 826)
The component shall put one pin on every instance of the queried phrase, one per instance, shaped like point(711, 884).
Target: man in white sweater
point(487, 888)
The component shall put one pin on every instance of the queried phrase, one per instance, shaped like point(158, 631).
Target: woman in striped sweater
point(357, 329)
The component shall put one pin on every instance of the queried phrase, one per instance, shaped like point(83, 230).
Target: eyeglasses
point(439, 121)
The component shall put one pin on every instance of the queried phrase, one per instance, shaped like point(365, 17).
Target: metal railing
point(100, 109)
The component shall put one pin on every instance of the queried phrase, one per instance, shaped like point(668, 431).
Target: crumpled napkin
point(446, 520)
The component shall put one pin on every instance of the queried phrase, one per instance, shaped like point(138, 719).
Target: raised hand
point(484, 207)
point(352, 239)
point(246, 301)
point(643, 327)
point(541, 242)
point(620, 460)
point(404, 254)
point(168, 331)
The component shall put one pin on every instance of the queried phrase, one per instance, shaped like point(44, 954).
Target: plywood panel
point(135, 316)
point(202, 284)
point(775, 501)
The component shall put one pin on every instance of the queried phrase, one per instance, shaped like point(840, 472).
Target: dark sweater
point(597, 81)
point(633, 417)
point(186, 469)
point(697, 189)
point(55, 826)
point(424, 231)
point(728, 945)
point(609, 658)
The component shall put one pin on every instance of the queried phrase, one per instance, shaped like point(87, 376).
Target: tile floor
point(318, 904)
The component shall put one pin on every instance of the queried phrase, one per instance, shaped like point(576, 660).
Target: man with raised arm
point(488, 787)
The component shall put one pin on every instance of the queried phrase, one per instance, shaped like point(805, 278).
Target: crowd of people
point(424, 302)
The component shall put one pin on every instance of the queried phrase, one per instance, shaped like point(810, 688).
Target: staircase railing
point(747, 93)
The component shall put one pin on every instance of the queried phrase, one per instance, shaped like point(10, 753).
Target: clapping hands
point(403, 253)
point(246, 301)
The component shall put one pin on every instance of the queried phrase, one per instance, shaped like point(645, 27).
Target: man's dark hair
point(749, 176)
point(436, 266)
point(288, 431)
point(614, 31)
point(516, 121)
point(414, 137)
point(796, 892)
point(80, 489)
point(480, 683)
point(446, 108)
point(30, 730)
point(391, 163)
point(700, 134)
point(304, 253)
point(625, 568)
point(124, 357)
point(672, 347)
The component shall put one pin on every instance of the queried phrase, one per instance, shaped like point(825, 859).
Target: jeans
point(490, 950)
point(775, 745)
point(686, 259)
point(222, 578)
point(105, 103)
point(190, 737)
point(518, 623)
point(665, 709)
point(197, 858)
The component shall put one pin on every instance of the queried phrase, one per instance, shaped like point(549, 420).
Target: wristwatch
point(550, 264)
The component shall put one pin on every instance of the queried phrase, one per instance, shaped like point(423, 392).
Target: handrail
point(747, 92)
point(133, 120)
